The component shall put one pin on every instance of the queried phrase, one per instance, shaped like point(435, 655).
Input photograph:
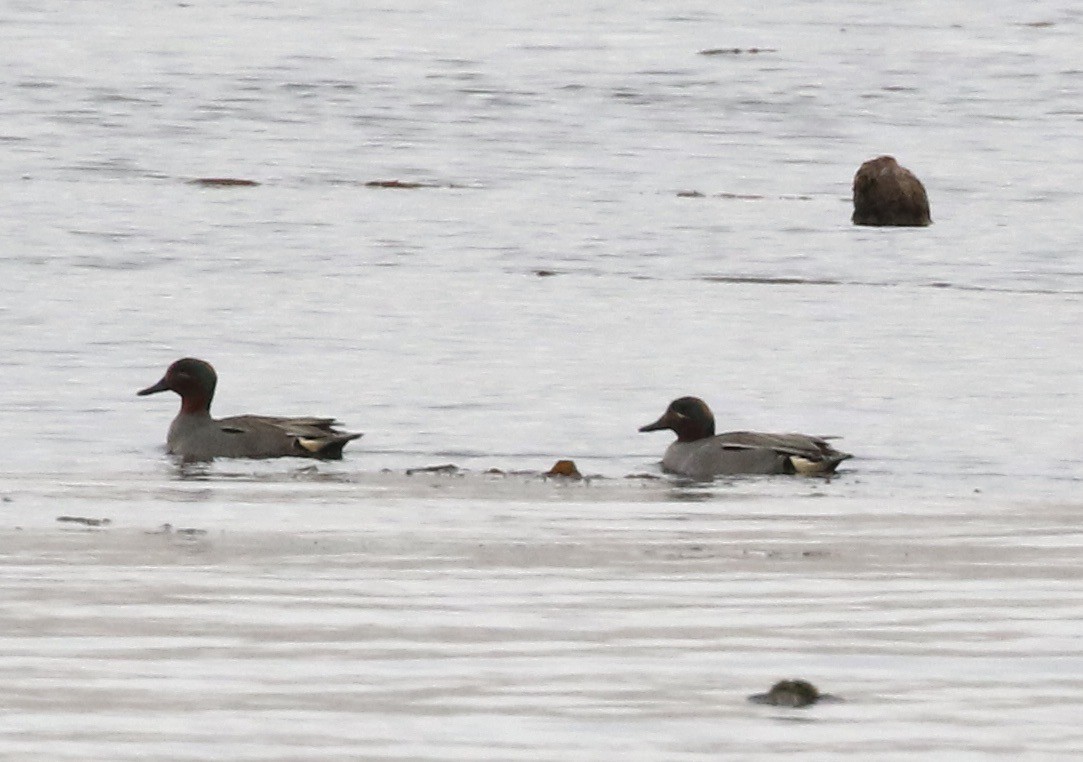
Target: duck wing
point(809, 454)
point(271, 436)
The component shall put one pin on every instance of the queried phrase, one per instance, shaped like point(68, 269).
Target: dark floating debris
point(792, 693)
point(889, 195)
point(545, 273)
point(740, 196)
point(564, 469)
point(767, 280)
point(407, 184)
point(223, 182)
point(84, 521)
point(187, 533)
point(447, 468)
point(690, 194)
point(736, 51)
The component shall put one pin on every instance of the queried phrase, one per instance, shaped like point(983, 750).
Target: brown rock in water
point(887, 194)
point(566, 469)
point(792, 693)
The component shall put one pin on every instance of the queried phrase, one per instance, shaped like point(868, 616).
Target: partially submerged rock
point(886, 194)
point(791, 693)
point(565, 469)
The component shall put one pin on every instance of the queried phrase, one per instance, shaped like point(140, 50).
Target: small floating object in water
point(403, 184)
point(447, 468)
point(735, 51)
point(740, 196)
point(396, 184)
point(690, 194)
point(187, 533)
point(84, 521)
point(223, 182)
point(564, 469)
point(792, 693)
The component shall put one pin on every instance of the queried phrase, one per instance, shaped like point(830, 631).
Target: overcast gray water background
point(548, 290)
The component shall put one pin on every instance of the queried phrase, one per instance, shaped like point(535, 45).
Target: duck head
point(688, 417)
point(194, 380)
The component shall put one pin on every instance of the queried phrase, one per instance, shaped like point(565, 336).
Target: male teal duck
point(701, 454)
point(195, 436)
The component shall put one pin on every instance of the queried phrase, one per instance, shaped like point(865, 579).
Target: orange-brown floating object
point(224, 182)
point(886, 194)
point(566, 469)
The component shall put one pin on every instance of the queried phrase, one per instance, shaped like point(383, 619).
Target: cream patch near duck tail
point(312, 445)
point(807, 467)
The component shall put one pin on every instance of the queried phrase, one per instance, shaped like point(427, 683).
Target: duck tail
point(828, 465)
point(325, 448)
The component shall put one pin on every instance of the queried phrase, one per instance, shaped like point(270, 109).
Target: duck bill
point(161, 386)
point(665, 422)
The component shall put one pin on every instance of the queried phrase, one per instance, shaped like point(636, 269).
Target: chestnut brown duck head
point(194, 380)
point(687, 417)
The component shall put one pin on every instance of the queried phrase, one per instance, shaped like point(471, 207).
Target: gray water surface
point(549, 287)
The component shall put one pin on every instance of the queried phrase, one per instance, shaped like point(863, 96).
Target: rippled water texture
point(495, 235)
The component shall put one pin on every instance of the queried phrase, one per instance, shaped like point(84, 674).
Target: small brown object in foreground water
point(793, 693)
point(888, 194)
point(566, 469)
